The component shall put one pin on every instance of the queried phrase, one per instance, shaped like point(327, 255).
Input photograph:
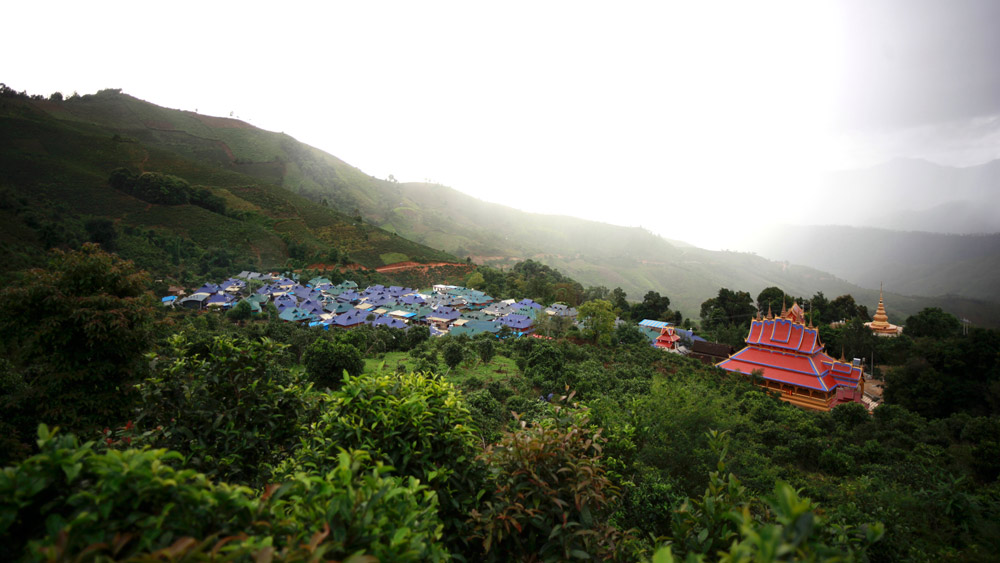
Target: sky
point(691, 119)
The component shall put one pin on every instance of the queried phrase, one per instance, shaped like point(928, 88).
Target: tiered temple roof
point(788, 355)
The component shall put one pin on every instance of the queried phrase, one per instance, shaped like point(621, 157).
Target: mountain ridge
point(221, 153)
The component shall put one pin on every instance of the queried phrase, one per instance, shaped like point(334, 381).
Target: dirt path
point(404, 266)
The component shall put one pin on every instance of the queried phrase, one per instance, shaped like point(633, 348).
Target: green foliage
point(326, 363)
point(653, 306)
point(232, 410)
point(352, 509)
point(932, 322)
point(69, 498)
point(76, 332)
point(70, 502)
point(598, 320)
point(454, 353)
point(243, 311)
point(414, 422)
point(550, 494)
point(728, 521)
point(486, 349)
point(733, 308)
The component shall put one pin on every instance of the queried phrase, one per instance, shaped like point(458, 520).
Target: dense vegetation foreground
point(196, 437)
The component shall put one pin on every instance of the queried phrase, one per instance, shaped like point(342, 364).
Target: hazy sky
point(690, 119)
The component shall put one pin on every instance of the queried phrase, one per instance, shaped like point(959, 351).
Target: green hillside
point(55, 163)
point(287, 199)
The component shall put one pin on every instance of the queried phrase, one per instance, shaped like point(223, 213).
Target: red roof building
point(788, 356)
point(667, 339)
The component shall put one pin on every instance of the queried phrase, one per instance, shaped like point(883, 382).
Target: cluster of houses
point(446, 309)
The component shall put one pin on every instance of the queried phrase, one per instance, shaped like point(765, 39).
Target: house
point(788, 357)
point(390, 322)
point(411, 299)
point(350, 319)
point(501, 308)
point(294, 314)
point(195, 300)
point(314, 308)
point(219, 300)
point(337, 307)
point(475, 328)
point(561, 310)
point(168, 301)
point(520, 324)
point(209, 288)
point(528, 303)
point(232, 285)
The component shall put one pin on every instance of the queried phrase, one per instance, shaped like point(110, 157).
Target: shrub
point(414, 422)
point(80, 329)
point(233, 411)
point(72, 503)
point(326, 362)
point(551, 494)
point(68, 497)
point(355, 509)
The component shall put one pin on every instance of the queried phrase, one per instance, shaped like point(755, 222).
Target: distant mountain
point(915, 195)
point(55, 162)
point(912, 263)
point(294, 195)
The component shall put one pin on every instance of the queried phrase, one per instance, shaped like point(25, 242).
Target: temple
point(788, 356)
point(880, 322)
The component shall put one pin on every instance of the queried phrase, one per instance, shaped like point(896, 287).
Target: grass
point(501, 367)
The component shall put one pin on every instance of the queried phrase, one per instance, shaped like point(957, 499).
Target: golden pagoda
point(880, 324)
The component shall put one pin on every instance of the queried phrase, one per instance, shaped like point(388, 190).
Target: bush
point(551, 494)
point(72, 503)
point(233, 411)
point(356, 509)
point(326, 362)
point(68, 497)
point(414, 422)
point(79, 328)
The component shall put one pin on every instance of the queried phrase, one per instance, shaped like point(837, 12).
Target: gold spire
point(770, 315)
point(880, 320)
point(784, 310)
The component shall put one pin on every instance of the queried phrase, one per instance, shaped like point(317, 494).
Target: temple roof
point(784, 334)
point(787, 351)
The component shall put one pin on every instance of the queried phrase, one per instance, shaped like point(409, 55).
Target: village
point(783, 352)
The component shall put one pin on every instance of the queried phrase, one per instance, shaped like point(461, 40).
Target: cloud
point(908, 63)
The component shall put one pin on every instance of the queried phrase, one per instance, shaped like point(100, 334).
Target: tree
point(932, 321)
point(598, 319)
point(76, 332)
point(454, 353)
point(326, 362)
point(728, 308)
point(475, 281)
point(486, 349)
point(102, 231)
point(619, 301)
point(770, 297)
point(653, 306)
point(844, 308)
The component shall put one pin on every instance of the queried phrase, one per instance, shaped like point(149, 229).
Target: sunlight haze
point(673, 116)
